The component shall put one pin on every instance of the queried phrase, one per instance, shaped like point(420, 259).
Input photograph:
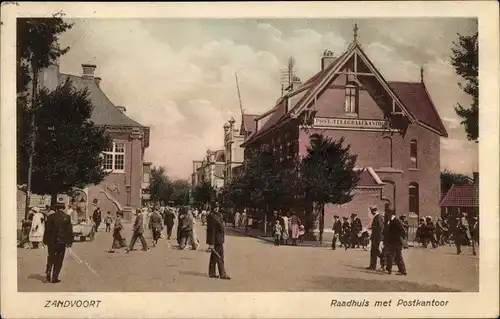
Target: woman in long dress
point(37, 227)
point(294, 226)
point(118, 234)
point(285, 233)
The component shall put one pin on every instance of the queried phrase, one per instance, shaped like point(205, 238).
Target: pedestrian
point(346, 233)
point(377, 228)
point(236, 221)
point(394, 242)
point(138, 232)
point(97, 218)
point(180, 216)
point(215, 240)
point(406, 226)
point(302, 232)
point(462, 234)
point(277, 232)
point(185, 228)
point(294, 228)
point(384, 254)
point(156, 226)
point(203, 217)
point(430, 233)
point(119, 240)
point(244, 219)
point(356, 228)
point(146, 215)
point(108, 220)
point(474, 234)
point(337, 231)
point(25, 230)
point(37, 227)
point(421, 235)
point(285, 232)
point(169, 221)
point(57, 236)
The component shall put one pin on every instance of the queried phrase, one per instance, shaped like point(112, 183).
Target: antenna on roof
point(288, 74)
point(239, 96)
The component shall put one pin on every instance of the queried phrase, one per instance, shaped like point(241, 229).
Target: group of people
point(33, 227)
point(349, 234)
point(459, 230)
point(286, 227)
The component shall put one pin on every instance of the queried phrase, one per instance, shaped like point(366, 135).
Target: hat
point(373, 208)
point(354, 215)
point(335, 216)
point(35, 209)
point(344, 217)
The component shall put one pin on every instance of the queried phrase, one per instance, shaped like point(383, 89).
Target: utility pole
point(32, 138)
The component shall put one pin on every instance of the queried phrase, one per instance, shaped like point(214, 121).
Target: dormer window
point(351, 98)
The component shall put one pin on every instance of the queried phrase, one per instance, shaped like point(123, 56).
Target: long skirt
point(119, 241)
point(295, 231)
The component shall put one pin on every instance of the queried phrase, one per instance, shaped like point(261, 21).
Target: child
point(302, 231)
point(277, 233)
point(108, 221)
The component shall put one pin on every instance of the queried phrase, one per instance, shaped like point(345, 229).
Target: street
point(254, 265)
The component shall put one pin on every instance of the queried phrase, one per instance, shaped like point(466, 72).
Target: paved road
point(254, 265)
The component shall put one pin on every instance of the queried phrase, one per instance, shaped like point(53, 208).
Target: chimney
point(97, 80)
point(475, 178)
point(88, 71)
point(296, 83)
point(121, 109)
point(327, 59)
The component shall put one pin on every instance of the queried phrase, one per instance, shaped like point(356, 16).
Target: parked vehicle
point(84, 230)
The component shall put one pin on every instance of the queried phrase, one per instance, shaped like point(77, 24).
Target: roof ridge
point(435, 110)
point(447, 193)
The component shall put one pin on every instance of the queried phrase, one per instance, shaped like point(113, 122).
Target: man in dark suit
point(57, 236)
point(337, 231)
point(169, 221)
point(138, 232)
point(356, 228)
point(395, 237)
point(377, 228)
point(215, 240)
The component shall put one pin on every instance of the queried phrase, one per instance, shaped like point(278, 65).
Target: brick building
point(125, 186)
point(392, 126)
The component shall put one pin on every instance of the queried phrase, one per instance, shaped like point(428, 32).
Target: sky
point(177, 76)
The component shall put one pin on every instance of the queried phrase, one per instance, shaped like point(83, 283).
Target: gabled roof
point(461, 196)
point(368, 178)
point(419, 103)
point(105, 113)
point(412, 98)
point(249, 122)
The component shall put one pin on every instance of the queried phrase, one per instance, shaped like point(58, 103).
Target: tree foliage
point(68, 146)
point(204, 193)
point(160, 186)
point(38, 46)
point(465, 62)
point(180, 192)
point(448, 179)
point(327, 173)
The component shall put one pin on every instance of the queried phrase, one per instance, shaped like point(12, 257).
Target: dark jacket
point(155, 221)
point(395, 234)
point(215, 229)
point(96, 216)
point(169, 217)
point(138, 227)
point(356, 225)
point(58, 229)
point(337, 227)
point(377, 228)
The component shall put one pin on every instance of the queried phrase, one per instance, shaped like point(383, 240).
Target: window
point(413, 153)
point(413, 199)
point(114, 158)
point(351, 98)
point(145, 178)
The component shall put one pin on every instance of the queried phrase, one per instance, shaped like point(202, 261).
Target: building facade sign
point(350, 123)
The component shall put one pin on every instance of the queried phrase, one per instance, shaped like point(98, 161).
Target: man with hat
point(337, 231)
point(377, 228)
point(215, 240)
point(346, 232)
point(57, 236)
point(356, 228)
point(474, 234)
point(138, 232)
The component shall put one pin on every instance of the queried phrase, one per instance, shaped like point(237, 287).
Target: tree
point(264, 185)
point(327, 174)
point(38, 46)
point(465, 62)
point(180, 192)
point(161, 187)
point(68, 146)
point(448, 179)
point(236, 191)
point(204, 193)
